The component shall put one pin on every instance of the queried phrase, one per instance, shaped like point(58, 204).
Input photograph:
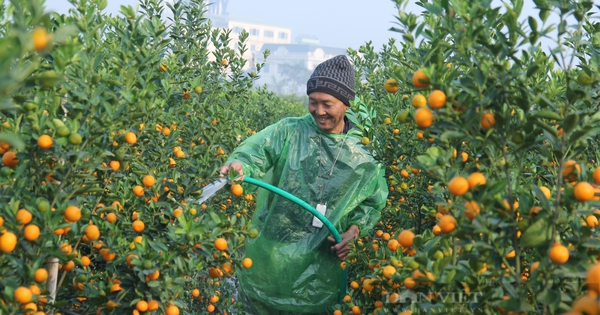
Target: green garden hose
point(309, 208)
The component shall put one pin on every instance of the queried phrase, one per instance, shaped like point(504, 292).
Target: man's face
point(328, 111)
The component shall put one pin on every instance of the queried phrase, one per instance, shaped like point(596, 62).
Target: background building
point(289, 65)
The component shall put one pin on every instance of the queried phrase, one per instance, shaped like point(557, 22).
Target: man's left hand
point(341, 249)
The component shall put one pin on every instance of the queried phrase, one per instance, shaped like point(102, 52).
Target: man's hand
point(236, 166)
point(341, 249)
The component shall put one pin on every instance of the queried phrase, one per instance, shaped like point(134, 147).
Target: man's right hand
point(236, 166)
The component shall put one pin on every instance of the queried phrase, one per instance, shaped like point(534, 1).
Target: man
point(296, 271)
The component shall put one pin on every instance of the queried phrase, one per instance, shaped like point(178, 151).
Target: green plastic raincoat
point(294, 268)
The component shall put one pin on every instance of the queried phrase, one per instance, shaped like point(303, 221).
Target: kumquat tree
point(484, 114)
point(109, 128)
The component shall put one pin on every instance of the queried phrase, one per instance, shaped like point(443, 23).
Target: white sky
point(336, 23)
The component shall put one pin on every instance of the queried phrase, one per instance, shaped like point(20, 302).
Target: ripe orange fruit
point(23, 216)
point(404, 173)
point(237, 190)
point(533, 267)
point(393, 245)
point(583, 191)
point(423, 117)
point(458, 186)
point(591, 221)
point(195, 293)
point(149, 181)
point(114, 165)
point(221, 244)
point(45, 142)
point(138, 190)
point(130, 137)
point(40, 38)
point(166, 131)
point(406, 238)
point(391, 85)
point(419, 101)
point(8, 242)
point(409, 283)
point(511, 254)
point(23, 295)
point(388, 271)
point(546, 191)
point(585, 304)
point(447, 223)
point(437, 99)
point(31, 232)
point(69, 266)
point(476, 179)
point(92, 232)
point(488, 121)
point(72, 214)
point(355, 310)
point(418, 274)
point(394, 298)
point(437, 230)
point(138, 226)
point(420, 80)
point(593, 278)
point(571, 170)
point(141, 306)
point(354, 285)
point(337, 312)
point(172, 310)
point(107, 255)
point(210, 308)
point(153, 305)
point(85, 260)
point(110, 305)
point(247, 263)
point(596, 175)
point(472, 209)
point(111, 218)
point(129, 258)
point(66, 248)
point(559, 254)
point(40, 275)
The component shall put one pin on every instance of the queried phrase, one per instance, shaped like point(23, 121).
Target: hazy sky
point(336, 23)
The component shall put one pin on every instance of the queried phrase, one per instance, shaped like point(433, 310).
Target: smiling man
point(297, 263)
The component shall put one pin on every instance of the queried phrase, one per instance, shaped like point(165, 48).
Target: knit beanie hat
point(334, 76)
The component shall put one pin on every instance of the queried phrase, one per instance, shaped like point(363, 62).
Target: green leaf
point(549, 297)
point(13, 140)
point(216, 232)
point(537, 234)
point(433, 8)
point(548, 114)
point(215, 217)
point(450, 135)
point(434, 152)
point(426, 161)
point(571, 122)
